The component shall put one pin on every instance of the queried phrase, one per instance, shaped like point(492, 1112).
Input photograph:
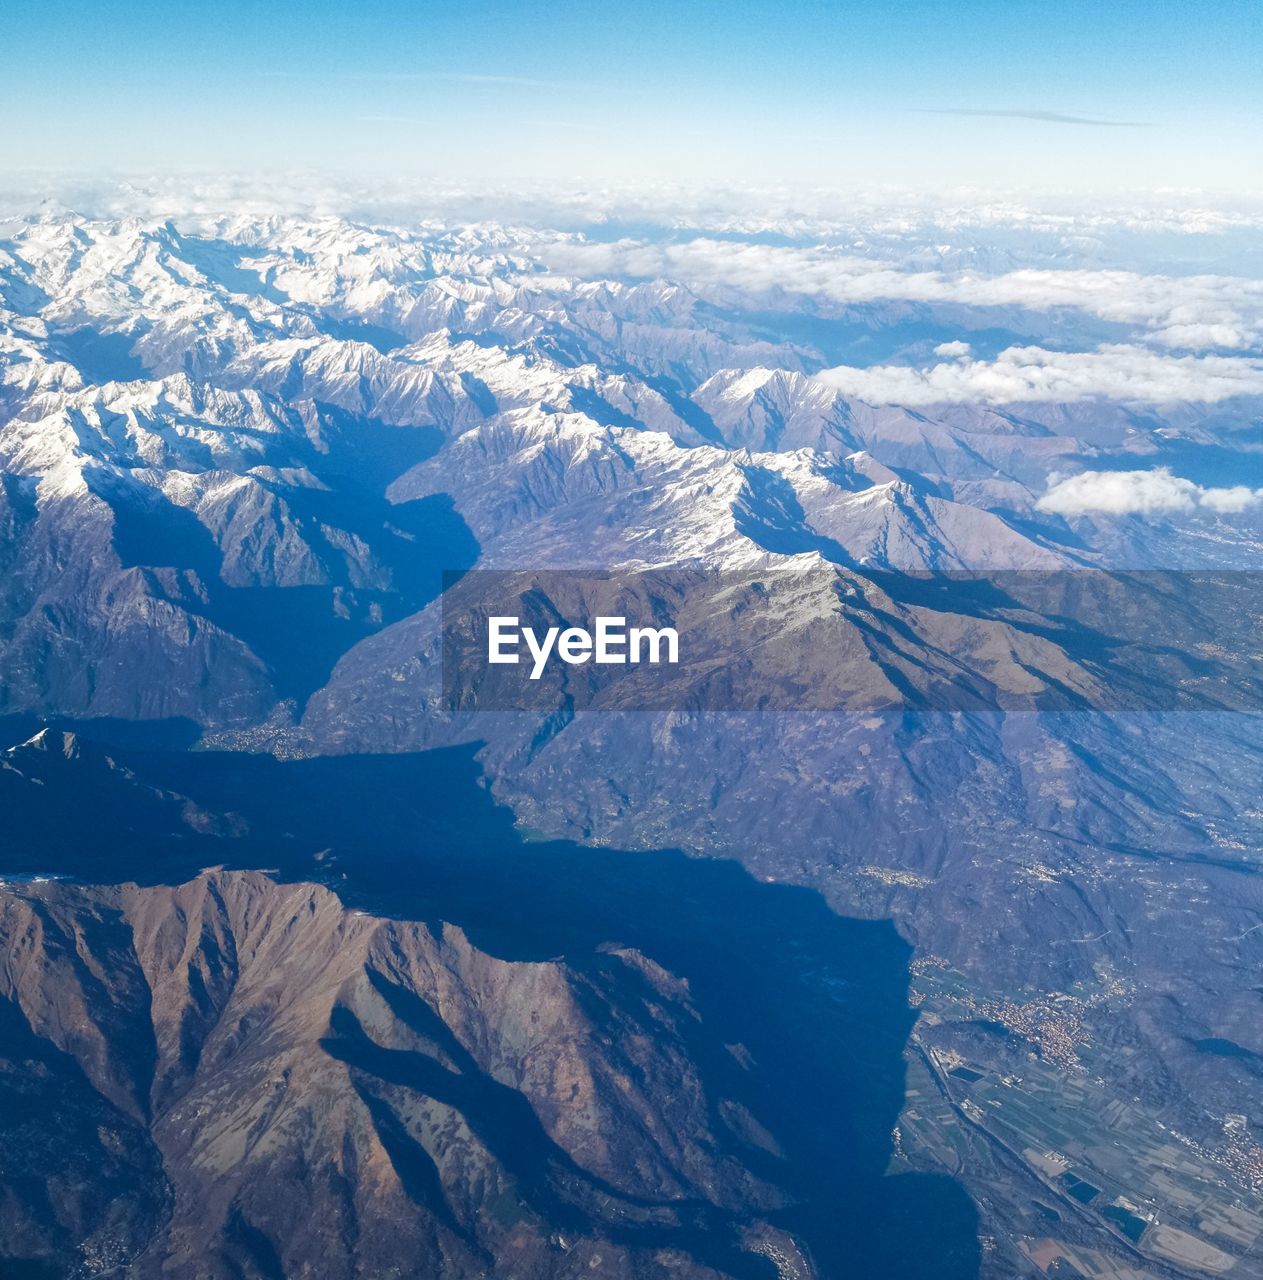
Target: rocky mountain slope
point(252, 1076)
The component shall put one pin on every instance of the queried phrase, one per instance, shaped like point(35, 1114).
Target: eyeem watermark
point(610, 643)
point(857, 640)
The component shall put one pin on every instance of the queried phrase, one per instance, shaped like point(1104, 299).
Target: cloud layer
point(1154, 492)
point(1033, 375)
point(1191, 312)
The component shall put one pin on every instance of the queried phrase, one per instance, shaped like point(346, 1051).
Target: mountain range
point(907, 919)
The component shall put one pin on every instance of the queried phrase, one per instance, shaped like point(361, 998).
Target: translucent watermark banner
point(835, 639)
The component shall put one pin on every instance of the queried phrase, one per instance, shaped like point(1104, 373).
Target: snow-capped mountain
point(261, 405)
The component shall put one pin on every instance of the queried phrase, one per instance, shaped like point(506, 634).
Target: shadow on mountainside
point(356, 561)
point(803, 1015)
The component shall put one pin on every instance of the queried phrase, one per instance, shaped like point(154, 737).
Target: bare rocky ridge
point(280, 1086)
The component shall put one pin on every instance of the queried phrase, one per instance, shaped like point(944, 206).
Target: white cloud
point(953, 350)
point(827, 215)
point(1236, 498)
point(1032, 374)
point(1152, 492)
point(1192, 312)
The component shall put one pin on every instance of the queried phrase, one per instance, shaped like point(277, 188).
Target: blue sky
point(913, 93)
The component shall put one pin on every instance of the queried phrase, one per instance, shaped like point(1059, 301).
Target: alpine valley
point(914, 931)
